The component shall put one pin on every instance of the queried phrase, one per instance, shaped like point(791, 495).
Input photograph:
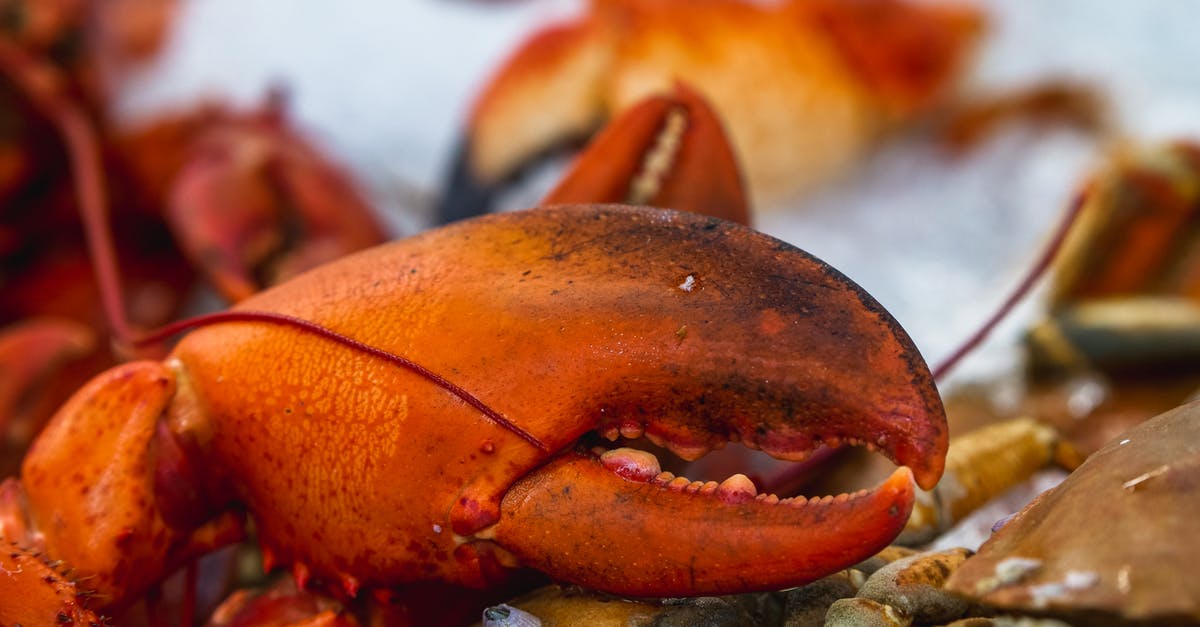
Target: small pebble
point(913, 585)
point(859, 612)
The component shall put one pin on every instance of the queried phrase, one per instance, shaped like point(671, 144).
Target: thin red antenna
point(42, 84)
point(1036, 271)
point(329, 334)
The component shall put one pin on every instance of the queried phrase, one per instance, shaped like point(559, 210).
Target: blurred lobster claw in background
point(253, 203)
point(1121, 340)
point(804, 88)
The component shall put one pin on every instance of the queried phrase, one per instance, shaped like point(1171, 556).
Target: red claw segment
point(119, 512)
point(908, 53)
point(667, 151)
point(670, 536)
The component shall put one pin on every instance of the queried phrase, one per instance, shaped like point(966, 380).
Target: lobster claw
point(667, 151)
point(804, 87)
point(255, 205)
point(557, 328)
point(779, 365)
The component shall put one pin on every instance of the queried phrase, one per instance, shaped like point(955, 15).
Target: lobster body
point(364, 472)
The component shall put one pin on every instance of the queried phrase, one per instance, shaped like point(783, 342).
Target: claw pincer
point(532, 330)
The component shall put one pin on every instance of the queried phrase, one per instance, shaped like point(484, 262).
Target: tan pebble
point(980, 466)
point(924, 523)
point(859, 612)
point(914, 585)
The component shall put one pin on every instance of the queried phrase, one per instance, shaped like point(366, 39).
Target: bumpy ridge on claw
point(612, 527)
point(797, 450)
point(637, 465)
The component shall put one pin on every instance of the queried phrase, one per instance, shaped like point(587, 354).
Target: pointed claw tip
point(925, 476)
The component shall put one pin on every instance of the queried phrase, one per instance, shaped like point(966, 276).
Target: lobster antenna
point(1036, 271)
point(175, 328)
point(42, 85)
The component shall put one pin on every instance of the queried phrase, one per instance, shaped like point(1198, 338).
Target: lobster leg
point(283, 605)
point(719, 536)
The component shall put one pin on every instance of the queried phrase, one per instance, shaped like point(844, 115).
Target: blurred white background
point(940, 241)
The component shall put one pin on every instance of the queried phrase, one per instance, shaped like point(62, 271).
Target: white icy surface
point(939, 242)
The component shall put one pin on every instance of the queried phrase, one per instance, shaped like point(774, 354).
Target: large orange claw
point(380, 417)
point(667, 151)
point(804, 87)
point(690, 330)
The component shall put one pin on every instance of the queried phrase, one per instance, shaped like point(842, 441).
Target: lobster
point(471, 373)
point(683, 330)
